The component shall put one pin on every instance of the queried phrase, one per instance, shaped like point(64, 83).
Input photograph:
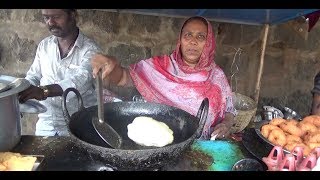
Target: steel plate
point(258, 132)
point(20, 86)
point(255, 145)
point(32, 106)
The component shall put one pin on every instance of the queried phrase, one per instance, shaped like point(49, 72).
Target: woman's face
point(193, 39)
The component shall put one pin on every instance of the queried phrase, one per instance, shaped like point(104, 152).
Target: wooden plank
point(260, 70)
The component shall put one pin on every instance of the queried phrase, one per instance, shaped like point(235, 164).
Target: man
point(62, 61)
point(316, 96)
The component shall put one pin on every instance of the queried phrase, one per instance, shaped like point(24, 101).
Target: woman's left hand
point(223, 129)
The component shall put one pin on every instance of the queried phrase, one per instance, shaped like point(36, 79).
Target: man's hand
point(315, 104)
point(32, 92)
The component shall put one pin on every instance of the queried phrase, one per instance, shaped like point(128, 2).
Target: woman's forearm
point(126, 79)
point(229, 119)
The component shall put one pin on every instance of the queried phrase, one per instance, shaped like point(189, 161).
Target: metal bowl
point(247, 164)
point(258, 131)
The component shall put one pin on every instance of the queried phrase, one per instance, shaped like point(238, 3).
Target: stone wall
point(291, 59)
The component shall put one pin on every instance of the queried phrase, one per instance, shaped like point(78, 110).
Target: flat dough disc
point(149, 132)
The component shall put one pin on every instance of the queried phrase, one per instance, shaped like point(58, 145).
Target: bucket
point(10, 122)
point(246, 108)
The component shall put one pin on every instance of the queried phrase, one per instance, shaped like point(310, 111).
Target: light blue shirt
point(72, 71)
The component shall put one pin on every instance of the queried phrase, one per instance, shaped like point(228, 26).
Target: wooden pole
point(260, 71)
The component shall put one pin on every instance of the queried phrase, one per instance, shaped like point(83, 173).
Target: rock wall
point(291, 59)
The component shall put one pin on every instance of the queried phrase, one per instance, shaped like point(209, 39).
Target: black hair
point(195, 18)
point(69, 11)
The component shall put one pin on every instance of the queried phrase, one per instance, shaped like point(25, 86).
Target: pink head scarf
point(167, 79)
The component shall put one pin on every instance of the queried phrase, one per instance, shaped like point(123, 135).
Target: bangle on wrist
point(45, 91)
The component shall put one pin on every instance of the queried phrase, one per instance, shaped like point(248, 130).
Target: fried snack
point(291, 128)
point(277, 121)
point(313, 119)
point(16, 162)
point(2, 167)
point(266, 129)
point(4, 156)
point(305, 133)
point(277, 137)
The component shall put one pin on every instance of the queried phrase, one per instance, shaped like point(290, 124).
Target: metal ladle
point(105, 131)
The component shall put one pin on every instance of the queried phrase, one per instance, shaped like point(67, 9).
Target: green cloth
point(224, 153)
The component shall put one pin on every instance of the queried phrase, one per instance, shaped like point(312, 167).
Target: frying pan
point(131, 156)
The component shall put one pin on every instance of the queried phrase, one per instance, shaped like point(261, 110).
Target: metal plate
point(255, 145)
point(20, 86)
point(247, 164)
point(32, 106)
point(2, 85)
point(258, 131)
point(38, 162)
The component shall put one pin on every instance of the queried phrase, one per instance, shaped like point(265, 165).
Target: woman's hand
point(112, 72)
point(106, 63)
point(223, 129)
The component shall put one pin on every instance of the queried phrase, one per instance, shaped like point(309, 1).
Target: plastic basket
point(246, 108)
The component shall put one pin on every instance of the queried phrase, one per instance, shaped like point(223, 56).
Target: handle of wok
point(202, 115)
point(64, 102)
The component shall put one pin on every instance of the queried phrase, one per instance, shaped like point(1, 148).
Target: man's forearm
point(54, 90)
point(316, 104)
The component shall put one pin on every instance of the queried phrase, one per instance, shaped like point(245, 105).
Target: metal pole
point(260, 71)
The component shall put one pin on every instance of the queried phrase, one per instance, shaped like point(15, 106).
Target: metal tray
point(32, 106)
point(256, 143)
point(258, 131)
point(38, 162)
point(19, 86)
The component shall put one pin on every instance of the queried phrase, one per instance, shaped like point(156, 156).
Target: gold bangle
point(45, 91)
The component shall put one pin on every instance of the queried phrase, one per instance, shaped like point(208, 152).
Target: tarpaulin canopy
point(238, 16)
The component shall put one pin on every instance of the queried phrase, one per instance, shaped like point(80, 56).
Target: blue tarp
point(238, 16)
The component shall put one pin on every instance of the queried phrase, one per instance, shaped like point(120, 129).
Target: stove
point(62, 154)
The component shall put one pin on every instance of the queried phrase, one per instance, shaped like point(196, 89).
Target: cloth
point(167, 79)
point(313, 19)
point(316, 87)
point(72, 71)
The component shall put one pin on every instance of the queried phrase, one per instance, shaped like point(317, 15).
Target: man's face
point(193, 39)
point(59, 22)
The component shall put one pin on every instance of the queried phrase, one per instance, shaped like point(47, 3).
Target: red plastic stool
point(289, 163)
point(298, 153)
point(275, 157)
point(308, 163)
point(316, 151)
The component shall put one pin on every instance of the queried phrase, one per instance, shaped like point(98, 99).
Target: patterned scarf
point(167, 79)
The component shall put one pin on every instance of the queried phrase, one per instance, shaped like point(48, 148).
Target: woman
point(182, 79)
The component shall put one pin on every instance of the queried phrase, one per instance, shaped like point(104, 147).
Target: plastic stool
point(275, 157)
point(288, 164)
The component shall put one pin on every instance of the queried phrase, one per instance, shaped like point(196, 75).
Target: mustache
point(54, 27)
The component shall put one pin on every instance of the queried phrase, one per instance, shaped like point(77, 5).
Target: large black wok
point(186, 128)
